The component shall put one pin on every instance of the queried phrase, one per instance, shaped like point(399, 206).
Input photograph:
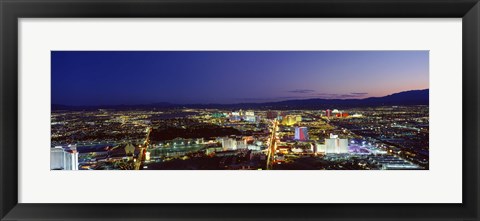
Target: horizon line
point(160, 102)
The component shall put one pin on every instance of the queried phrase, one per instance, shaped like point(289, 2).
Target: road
point(273, 146)
point(138, 164)
point(139, 161)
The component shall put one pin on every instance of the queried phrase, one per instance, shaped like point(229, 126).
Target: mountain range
point(413, 97)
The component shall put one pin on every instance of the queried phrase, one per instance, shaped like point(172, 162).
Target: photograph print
point(239, 110)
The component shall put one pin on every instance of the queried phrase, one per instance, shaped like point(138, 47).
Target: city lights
point(140, 139)
point(239, 110)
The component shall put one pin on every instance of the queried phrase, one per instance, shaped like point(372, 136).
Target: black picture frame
point(12, 10)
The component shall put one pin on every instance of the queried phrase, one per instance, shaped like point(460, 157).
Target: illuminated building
point(229, 144)
point(328, 113)
point(218, 115)
point(235, 116)
point(297, 150)
point(129, 149)
point(56, 158)
point(290, 120)
point(341, 115)
point(64, 158)
point(250, 117)
point(249, 113)
point(147, 156)
point(301, 133)
point(281, 115)
point(242, 144)
point(253, 147)
point(321, 148)
point(71, 158)
point(335, 145)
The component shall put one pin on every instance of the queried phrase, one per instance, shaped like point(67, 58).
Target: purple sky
point(143, 77)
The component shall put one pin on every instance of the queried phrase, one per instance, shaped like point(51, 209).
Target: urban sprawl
point(367, 138)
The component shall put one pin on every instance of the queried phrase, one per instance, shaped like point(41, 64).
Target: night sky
point(190, 77)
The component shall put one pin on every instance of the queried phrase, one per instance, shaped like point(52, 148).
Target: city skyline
point(412, 97)
point(239, 110)
point(91, 78)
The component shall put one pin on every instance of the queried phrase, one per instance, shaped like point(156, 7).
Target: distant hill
point(414, 97)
